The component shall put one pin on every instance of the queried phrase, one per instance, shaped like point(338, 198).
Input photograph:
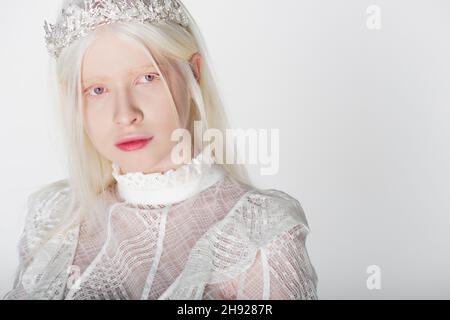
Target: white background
point(363, 118)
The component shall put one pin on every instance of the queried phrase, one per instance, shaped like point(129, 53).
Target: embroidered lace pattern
point(229, 241)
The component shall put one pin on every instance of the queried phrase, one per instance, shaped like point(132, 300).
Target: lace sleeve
point(18, 292)
point(281, 269)
point(39, 209)
point(286, 269)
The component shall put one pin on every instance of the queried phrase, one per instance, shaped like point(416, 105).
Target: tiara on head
point(78, 19)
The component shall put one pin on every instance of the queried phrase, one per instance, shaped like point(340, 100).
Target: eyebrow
point(131, 72)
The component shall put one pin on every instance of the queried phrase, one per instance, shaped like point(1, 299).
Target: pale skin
point(127, 96)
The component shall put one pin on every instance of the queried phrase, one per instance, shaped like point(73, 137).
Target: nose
point(127, 111)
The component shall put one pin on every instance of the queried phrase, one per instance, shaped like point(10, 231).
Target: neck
point(172, 186)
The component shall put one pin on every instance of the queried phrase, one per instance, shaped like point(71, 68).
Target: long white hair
point(89, 173)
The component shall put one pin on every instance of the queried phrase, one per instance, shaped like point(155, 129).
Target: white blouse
point(190, 233)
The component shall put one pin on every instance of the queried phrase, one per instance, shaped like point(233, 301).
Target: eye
point(96, 91)
point(151, 77)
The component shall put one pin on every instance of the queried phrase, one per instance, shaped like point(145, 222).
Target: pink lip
point(132, 144)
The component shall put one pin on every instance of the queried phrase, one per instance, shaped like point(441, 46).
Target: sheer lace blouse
point(192, 233)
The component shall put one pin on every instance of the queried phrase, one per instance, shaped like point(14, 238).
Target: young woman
point(131, 221)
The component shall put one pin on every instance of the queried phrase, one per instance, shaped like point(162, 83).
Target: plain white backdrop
point(363, 117)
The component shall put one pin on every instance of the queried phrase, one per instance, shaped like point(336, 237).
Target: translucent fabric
point(226, 241)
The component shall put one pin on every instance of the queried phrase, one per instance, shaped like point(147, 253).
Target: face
point(125, 96)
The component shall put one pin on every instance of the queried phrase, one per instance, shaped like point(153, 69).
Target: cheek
point(96, 126)
point(182, 100)
point(160, 110)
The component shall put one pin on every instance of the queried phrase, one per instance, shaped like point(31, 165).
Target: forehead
point(110, 55)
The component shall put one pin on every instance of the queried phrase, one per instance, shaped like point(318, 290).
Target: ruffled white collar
point(172, 186)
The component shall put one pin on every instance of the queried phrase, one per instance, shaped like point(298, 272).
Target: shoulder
point(45, 208)
point(264, 214)
point(42, 202)
point(253, 205)
point(258, 217)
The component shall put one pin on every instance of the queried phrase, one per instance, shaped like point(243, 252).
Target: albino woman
point(131, 221)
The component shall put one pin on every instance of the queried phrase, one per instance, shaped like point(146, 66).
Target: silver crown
point(78, 19)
